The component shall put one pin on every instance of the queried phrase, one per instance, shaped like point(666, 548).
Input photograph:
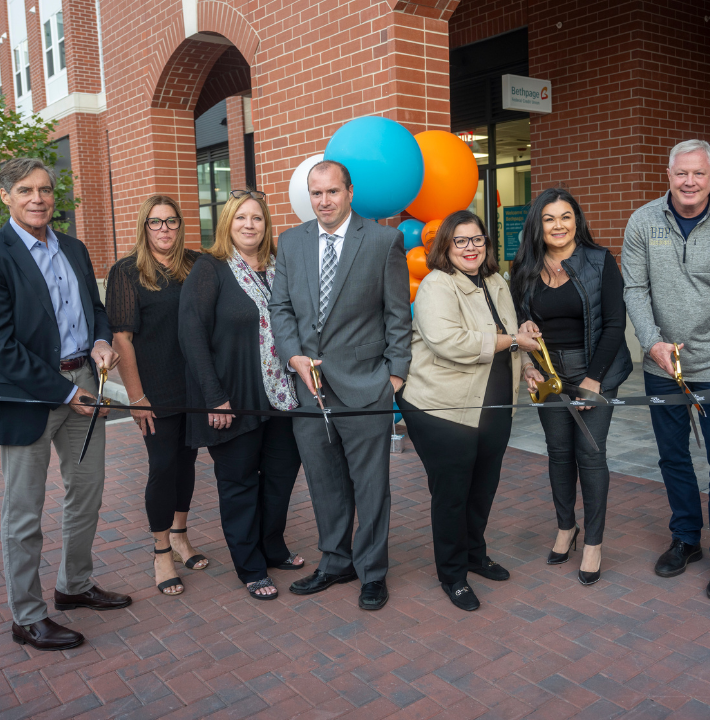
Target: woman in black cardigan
point(225, 336)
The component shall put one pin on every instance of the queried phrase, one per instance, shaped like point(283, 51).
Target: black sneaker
point(490, 569)
point(674, 560)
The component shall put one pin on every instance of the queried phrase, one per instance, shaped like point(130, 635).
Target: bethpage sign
point(527, 94)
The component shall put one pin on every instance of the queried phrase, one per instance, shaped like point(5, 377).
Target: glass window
point(477, 140)
point(21, 61)
point(513, 142)
point(213, 186)
point(54, 44)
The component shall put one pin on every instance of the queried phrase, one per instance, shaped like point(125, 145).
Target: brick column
point(235, 133)
point(8, 77)
point(81, 42)
point(34, 45)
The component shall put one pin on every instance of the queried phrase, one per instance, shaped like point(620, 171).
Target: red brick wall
point(81, 44)
point(314, 66)
point(89, 159)
point(8, 78)
point(235, 130)
point(476, 20)
point(627, 85)
point(34, 44)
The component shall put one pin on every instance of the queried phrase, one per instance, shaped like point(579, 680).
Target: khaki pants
point(25, 471)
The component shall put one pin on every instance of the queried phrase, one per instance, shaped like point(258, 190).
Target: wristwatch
point(514, 347)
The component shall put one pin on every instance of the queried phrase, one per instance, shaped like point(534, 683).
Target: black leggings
point(463, 468)
point(255, 474)
point(171, 472)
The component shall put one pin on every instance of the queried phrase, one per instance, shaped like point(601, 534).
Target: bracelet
point(137, 401)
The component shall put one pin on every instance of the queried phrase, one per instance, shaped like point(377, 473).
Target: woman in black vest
point(570, 289)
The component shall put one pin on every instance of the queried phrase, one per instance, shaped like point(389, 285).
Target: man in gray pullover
point(666, 265)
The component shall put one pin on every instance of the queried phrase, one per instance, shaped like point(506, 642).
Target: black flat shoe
point(707, 590)
point(462, 596)
point(589, 578)
point(555, 558)
point(373, 595)
point(490, 569)
point(674, 560)
point(318, 581)
point(289, 564)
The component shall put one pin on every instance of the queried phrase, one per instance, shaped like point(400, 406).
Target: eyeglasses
point(172, 223)
point(462, 242)
point(255, 194)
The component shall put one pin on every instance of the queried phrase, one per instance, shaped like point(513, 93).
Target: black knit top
point(152, 317)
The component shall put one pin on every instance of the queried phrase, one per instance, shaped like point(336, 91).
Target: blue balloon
point(412, 307)
point(397, 415)
point(385, 163)
point(412, 231)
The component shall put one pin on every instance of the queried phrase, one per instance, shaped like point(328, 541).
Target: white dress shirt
point(337, 245)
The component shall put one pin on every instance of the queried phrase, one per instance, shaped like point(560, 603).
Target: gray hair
point(688, 146)
point(18, 168)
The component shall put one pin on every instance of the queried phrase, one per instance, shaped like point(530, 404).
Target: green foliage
point(21, 137)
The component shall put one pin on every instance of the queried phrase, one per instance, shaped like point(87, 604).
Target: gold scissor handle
point(553, 385)
point(676, 361)
point(315, 375)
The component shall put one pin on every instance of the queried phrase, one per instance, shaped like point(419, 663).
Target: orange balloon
point(416, 261)
point(450, 176)
point(413, 287)
point(429, 233)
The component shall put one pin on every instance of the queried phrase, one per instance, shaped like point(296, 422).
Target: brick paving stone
point(541, 646)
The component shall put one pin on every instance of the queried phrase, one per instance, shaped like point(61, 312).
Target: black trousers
point(570, 453)
point(255, 475)
point(463, 469)
point(171, 472)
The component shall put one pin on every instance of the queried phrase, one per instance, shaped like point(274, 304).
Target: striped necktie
point(327, 275)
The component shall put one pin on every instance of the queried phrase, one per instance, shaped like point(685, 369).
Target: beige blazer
point(454, 342)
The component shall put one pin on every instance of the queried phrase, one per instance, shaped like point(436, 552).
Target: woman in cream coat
point(466, 352)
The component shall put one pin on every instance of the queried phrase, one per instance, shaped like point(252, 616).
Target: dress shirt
point(63, 290)
point(337, 245)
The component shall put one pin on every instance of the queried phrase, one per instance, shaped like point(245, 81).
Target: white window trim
point(52, 20)
point(22, 47)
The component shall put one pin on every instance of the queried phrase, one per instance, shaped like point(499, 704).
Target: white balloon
point(298, 189)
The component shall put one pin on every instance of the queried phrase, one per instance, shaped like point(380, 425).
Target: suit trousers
point(25, 471)
point(351, 471)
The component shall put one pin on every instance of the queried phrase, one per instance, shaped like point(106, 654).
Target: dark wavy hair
point(438, 257)
point(529, 261)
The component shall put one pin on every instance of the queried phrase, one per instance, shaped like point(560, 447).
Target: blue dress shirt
point(63, 290)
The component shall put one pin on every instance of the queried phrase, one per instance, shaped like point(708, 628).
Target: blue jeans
point(671, 426)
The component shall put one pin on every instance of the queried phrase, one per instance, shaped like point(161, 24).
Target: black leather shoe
point(461, 595)
point(490, 569)
point(94, 598)
point(46, 635)
point(319, 581)
point(707, 590)
point(589, 578)
point(373, 595)
point(674, 560)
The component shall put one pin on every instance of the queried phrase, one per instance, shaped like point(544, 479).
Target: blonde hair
point(224, 247)
point(180, 262)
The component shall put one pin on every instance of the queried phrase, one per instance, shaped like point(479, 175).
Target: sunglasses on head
point(255, 194)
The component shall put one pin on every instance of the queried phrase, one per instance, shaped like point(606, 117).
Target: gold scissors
point(103, 376)
point(555, 386)
point(315, 376)
point(687, 391)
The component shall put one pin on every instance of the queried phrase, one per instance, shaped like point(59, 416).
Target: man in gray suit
point(341, 298)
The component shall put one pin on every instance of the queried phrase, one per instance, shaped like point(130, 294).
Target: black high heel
point(555, 558)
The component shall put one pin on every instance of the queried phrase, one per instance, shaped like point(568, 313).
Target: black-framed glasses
point(155, 223)
point(255, 194)
point(461, 241)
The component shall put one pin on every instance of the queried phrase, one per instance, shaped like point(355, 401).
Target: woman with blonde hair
point(142, 299)
point(225, 335)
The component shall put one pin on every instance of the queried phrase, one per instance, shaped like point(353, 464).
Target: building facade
point(193, 97)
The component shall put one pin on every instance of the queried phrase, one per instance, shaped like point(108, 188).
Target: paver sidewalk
point(542, 646)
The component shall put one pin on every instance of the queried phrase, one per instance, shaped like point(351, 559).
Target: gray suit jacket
point(368, 325)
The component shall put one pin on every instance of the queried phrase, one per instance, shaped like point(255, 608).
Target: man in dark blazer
point(341, 298)
point(53, 333)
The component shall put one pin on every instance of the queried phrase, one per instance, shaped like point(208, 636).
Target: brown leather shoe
point(94, 598)
point(46, 635)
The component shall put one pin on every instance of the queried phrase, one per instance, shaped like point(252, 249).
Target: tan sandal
point(190, 562)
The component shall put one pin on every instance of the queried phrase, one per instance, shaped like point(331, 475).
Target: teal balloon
point(397, 415)
point(412, 231)
point(384, 161)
